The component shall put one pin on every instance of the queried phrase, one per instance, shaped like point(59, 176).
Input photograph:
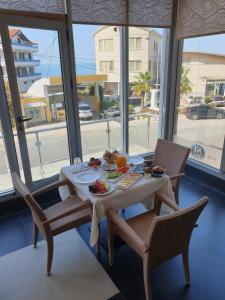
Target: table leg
point(98, 245)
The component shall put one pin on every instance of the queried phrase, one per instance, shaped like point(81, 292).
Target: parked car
point(112, 112)
point(204, 111)
point(194, 100)
point(85, 112)
point(218, 100)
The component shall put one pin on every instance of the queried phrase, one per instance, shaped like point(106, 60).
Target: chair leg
point(186, 267)
point(50, 246)
point(35, 239)
point(110, 242)
point(147, 284)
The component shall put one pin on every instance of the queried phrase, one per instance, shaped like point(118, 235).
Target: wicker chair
point(172, 157)
point(156, 238)
point(56, 219)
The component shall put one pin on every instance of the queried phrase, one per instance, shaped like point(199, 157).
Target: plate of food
point(135, 160)
point(86, 177)
point(155, 171)
point(94, 163)
point(129, 180)
point(101, 188)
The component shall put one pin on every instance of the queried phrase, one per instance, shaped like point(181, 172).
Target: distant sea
point(55, 69)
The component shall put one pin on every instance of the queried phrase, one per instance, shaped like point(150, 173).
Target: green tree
point(185, 85)
point(142, 86)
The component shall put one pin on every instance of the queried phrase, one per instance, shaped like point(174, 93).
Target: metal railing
point(37, 143)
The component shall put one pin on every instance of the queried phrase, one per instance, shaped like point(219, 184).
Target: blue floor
point(207, 251)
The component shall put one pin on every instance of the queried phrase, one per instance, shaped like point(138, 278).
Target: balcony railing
point(26, 60)
point(48, 147)
point(28, 75)
point(24, 45)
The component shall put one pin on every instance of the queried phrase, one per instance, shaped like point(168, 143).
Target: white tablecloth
point(142, 191)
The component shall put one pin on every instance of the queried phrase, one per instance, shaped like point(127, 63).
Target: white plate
point(86, 177)
point(136, 160)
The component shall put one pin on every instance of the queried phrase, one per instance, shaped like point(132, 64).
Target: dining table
point(142, 191)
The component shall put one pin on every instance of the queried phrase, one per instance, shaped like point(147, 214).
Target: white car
point(85, 112)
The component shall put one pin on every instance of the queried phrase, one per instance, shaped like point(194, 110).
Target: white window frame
point(68, 74)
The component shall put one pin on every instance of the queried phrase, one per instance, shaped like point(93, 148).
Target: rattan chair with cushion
point(156, 238)
point(172, 157)
point(56, 219)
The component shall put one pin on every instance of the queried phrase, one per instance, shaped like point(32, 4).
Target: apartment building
point(144, 54)
point(24, 51)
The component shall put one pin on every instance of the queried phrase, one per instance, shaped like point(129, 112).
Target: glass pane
point(5, 177)
point(98, 78)
point(39, 77)
point(201, 110)
point(144, 88)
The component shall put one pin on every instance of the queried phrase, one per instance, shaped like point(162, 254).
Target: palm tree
point(142, 86)
point(185, 84)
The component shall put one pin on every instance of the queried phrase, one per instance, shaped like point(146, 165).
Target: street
point(51, 140)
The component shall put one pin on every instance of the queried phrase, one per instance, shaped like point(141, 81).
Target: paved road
point(54, 146)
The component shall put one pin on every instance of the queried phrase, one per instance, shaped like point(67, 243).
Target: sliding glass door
point(34, 78)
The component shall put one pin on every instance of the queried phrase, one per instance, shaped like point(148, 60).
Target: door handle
point(23, 119)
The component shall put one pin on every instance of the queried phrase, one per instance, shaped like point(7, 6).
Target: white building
point(144, 54)
point(24, 58)
point(206, 72)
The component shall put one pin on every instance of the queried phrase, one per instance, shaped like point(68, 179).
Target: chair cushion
point(141, 223)
point(72, 202)
point(74, 220)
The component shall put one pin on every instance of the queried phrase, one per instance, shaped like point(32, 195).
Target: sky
point(85, 48)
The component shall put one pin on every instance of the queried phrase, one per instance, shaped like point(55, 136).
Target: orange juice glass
point(121, 161)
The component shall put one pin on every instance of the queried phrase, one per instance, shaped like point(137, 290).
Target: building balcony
point(26, 62)
point(28, 76)
point(21, 46)
point(23, 62)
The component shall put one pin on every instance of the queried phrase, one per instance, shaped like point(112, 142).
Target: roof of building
point(17, 31)
point(142, 28)
point(204, 53)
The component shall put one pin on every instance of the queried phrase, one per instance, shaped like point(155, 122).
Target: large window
point(201, 108)
point(145, 83)
point(98, 87)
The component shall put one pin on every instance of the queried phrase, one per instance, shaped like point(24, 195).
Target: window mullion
point(124, 84)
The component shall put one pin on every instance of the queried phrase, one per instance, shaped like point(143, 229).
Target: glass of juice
point(121, 161)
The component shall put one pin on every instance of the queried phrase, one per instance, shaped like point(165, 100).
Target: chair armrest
point(176, 176)
point(162, 197)
point(50, 187)
point(66, 213)
point(126, 231)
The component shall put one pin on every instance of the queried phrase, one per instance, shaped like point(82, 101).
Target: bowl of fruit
point(100, 188)
point(94, 163)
